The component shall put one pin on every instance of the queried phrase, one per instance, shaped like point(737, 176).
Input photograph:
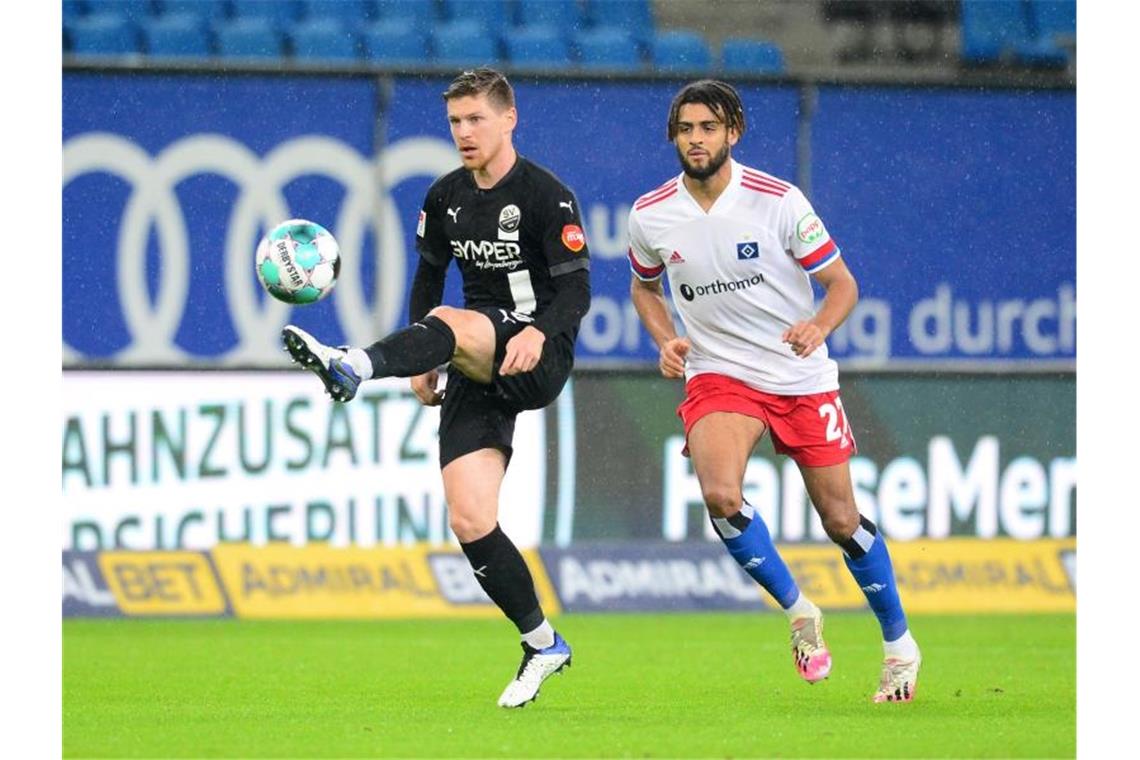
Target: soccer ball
point(298, 262)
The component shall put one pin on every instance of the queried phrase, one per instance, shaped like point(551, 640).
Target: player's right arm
point(648, 296)
point(649, 300)
point(427, 285)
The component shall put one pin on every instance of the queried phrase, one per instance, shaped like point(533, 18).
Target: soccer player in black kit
point(515, 233)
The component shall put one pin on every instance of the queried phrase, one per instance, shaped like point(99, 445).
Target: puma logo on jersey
point(568, 204)
point(513, 317)
point(454, 214)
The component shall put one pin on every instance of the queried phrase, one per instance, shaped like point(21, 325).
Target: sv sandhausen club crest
point(509, 218)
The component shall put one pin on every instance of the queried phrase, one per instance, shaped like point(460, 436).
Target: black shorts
point(482, 416)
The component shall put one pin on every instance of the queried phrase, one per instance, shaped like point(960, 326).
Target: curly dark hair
point(721, 98)
point(483, 81)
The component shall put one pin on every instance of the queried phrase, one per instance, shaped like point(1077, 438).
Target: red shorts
point(811, 429)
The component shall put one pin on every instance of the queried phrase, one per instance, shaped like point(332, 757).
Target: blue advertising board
point(955, 210)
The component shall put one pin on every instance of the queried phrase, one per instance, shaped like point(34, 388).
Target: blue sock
point(869, 562)
point(750, 544)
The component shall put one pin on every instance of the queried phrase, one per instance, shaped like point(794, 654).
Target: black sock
point(503, 574)
point(418, 348)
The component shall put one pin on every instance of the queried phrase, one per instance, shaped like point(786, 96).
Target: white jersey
point(739, 276)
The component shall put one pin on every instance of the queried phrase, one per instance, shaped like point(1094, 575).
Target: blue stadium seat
point(607, 48)
point(492, 15)
point(208, 10)
point(993, 29)
point(248, 38)
point(420, 13)
point(680, 50)
point(102, 34)
point(73, 9)
point(539, 47)
point(463, 43)
point(1053, 18)
point(323, 39)
point(134, 11)
point(630, 15)
point(1053, 24)
point(746, 56)
point(564, 16)
point(394, 41)
point(181, 35)
point(635, 17)
point(352, 13)
point(279, 12)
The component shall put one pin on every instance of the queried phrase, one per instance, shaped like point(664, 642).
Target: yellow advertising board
point(319, 581)
point(961, 575)
point(162, 583)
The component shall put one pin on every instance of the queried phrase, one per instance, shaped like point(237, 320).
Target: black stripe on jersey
point(569, 266)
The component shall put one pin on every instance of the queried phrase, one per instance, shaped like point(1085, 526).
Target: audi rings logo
point(152, 204)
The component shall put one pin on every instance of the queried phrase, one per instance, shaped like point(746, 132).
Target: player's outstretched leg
point(418, 348)
point(330, 364)
point(866, 556)
point(748, 541)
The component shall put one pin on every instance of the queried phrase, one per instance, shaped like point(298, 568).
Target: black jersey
point(510, 241)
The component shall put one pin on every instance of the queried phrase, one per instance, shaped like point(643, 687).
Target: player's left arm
point(568, 259)
point(842, 293)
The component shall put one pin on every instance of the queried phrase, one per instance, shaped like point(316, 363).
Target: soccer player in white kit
point(740, 248)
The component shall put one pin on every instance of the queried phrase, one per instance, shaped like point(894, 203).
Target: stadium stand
point(394, 41)
point(132, 10)
point(1053, 25)
point(537, 47)
point(325, 39)
point(747, 56)
point(178, 34)
point(247, 37)
point(278, 12)
point(756, 37)
point(607, 48)
point(462, 43)
point(635, 17)
point(679, 50)
point(208, 10)
point(72, 9)
point(416, 12)
point(992, 30)
point(565, 16)
point(101, 34)
point(492, 15)
point(351, 13)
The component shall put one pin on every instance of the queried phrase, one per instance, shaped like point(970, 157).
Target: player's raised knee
point(468, 326)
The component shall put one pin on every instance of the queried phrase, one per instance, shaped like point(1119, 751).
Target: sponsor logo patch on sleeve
point(573, 237)
point(810, 229)
point(421, 224)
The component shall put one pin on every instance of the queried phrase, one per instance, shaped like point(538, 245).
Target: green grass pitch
point(674, 685)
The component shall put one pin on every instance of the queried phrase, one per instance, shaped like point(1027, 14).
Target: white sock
point(802, 607)
point(359, 361)
point(541, 637)
point(904, 647)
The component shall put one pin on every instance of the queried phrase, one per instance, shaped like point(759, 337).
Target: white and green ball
point(298, 262)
